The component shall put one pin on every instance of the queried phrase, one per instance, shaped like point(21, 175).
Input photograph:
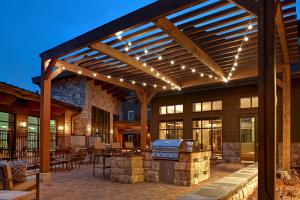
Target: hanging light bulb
point(201, 74)
point(236, 56)
point(133, 82)
point(163, 78)
point(233, 69)
point(172, 62)
point(230, 74)
point(144, 64)
point(79, 72)
point(94, 74)
point(210, 76)
point(155, 86)
point(225, 80)
point(144, 84)
point(145, 51)
point(152, 69)
point(235, 64)
point(246, 38)
point(129, 43)
point(250, 26)
point(157, 74)
point(121, 79)
point(137, 58)
point(164, 87)
point(108, 77)
point(216, 78)
point(126, 48)
point(183, 67)
point(159, 57)
point(239, 49)
point(193, 70)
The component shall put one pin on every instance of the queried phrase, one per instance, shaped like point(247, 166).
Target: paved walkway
point(79, 184)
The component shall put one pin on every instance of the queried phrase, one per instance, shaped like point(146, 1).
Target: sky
point(29, 27)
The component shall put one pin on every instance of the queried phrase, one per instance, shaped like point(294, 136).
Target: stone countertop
point(15, 195)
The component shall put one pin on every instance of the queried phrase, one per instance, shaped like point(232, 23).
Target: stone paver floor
point(79, 184)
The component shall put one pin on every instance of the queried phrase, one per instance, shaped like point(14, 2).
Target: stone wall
point(245, 191)
point(127, 169)
point(231, 152)
point(295, 155)
point(190, 169)
point(84, 93)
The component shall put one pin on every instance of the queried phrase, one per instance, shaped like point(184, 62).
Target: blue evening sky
point(29, 27)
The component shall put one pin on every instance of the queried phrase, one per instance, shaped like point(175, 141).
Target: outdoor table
point(104, 156)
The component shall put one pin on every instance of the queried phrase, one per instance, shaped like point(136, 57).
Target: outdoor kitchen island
point(169, 161)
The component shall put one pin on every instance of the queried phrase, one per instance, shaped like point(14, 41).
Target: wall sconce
point(61, 128)
point(23, 124)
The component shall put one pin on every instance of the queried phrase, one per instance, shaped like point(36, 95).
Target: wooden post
point(144, 131)
point(286, 127)
point(267, 100)
point(45, 108)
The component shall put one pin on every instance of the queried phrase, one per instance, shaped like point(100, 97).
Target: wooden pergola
point(175, 44)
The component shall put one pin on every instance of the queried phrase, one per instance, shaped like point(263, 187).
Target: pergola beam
point(134, 19)
point(189, 45)
point(281, 32)
point(89, 73)
point(131, 61)
point(249, 5)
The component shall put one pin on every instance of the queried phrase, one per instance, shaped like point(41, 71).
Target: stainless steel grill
point(169, 149)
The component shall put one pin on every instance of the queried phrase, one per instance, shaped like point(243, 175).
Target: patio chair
point(7, 182)
point(129, 146)
point(116, 147)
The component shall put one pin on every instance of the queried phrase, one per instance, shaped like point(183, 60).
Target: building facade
point(223, 119)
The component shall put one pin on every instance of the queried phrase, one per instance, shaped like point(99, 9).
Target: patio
point(81, 184)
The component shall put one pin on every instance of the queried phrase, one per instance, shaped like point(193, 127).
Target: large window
point(207, 134)
point(171, 109)
point(6, 130)
point(130, 115)
point(249, 102)
point(171, 129)
point(207, 106)
point(33, 130)
point(100, 124)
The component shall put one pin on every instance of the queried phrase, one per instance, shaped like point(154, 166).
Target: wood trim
point(279, 83)
point(134, 19)
point(49, 68)
point(189, 45)
point(130, 61)
point(89, 73)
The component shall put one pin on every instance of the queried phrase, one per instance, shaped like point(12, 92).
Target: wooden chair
point(116, 147)
point(31, 183)
point(129, 147)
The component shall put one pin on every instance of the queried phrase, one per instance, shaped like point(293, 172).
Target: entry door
point(247, 138)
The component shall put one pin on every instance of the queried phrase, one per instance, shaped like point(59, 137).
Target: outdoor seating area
point(178, 99)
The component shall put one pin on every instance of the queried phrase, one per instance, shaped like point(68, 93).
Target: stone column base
point(44, 177)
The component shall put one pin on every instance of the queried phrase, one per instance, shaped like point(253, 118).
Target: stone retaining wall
point(127, 169)
point(190, 169)
point(245, 191)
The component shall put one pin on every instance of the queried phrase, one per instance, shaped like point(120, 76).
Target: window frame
point(165, 107)
point(176, 131)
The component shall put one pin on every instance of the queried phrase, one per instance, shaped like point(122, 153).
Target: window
point(130, 115)
point(171, 129)
point(52, 134)
point(217, 105)
point(6, 131)
point(207, 134)
point(100, 124)
point(207, 106)
point(249, 102)
point(171, 109)
point(33, 132)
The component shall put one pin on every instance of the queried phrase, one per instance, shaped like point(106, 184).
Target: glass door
point(247, 139)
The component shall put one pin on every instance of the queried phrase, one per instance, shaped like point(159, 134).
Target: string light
point(246, 39)
point(152, 69)
point(63, 68)
point(133, 82)
point(129, 43)
point(144, 64)
point(145, 51)
point(159, 57)
point(235, 64)
point(79, 72)
point(108, 77)
point(126, 48)
point(119, 37)
point(137, 58)
point(172, 62)
point(164, 87)
point(155, 86)
point(210, 76)
point(183, 67)
point(239, 49)
point(216, 78)
point(236, 56)
point(121, 79)
point(157, 74)
point(193, 70)
point(250, 27)
point(94, 74)
point(144, 84)
point(201, 74)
